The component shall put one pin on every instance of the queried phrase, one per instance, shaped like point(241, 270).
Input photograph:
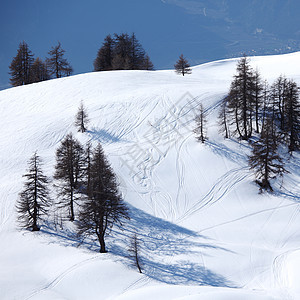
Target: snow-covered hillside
point(205, 231)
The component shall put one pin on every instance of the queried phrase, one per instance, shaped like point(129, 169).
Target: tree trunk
point(72, 217)
point(225, 125)
point(35, 227)
point(237, 122)
point(137, 263)
point(102, 243)
point(82, 123)
point(256, 116)
point(245, 135)
point(265, 182)
point(35, 205)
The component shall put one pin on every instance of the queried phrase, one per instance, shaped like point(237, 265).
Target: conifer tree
point(148, 65)
point(122, 52)
point(57, 64)
point(182, 66)
point(81, 119)
point(69, 172)
point(267, 107)
point(119, 62)
point(285, 106)
point(241, 99)
point(136, 55)
point(258, 97)
point(87, 167)
point(134, 249)
point(39, 71)
point(265, 160)
point(34, 200)
point(291, 128)
point(103, 61)
point(20, 66)
point(103, 206)
point(200, 120)
point(278, 96)
point(223, 122)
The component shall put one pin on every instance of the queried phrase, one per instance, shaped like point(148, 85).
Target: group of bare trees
point(266, 116)
point(251, 101)
point(87, 191)
point(273, 112)
point(24, 69)
point(86, 185)
point(122, 52)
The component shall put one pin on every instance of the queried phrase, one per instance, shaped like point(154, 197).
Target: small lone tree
point(103, 206)
point(57, 64)
point(182, 66)
point(134, 249)
point(69, 172)
point(34, 200)
point(81, 119)
point(265, 160)
point(200, 120)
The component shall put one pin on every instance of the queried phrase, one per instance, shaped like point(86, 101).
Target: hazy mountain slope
point(232, 27)
point(277, 17)
point(204, 228)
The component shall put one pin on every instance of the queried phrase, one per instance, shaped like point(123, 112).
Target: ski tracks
point(154, 152)
point(61, 276)
point(280, 274)
point(221, 187)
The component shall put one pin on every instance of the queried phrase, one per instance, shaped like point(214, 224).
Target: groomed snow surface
point(204, 229)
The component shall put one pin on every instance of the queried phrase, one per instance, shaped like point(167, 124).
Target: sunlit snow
point(205, 231)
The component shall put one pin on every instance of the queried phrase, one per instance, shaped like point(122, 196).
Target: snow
point(205, 231)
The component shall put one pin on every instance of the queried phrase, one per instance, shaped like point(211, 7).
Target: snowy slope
point(205, 231)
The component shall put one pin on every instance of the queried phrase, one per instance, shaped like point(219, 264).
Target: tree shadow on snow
point(168, 253)
point(224, 151)
point(103, 136)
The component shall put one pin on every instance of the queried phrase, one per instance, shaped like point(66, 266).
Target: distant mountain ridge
point(275, 16)
point(254, 27)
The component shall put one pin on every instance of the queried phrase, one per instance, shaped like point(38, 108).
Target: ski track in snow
point(61, 276)
point(164, 205)
point(221, 187)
